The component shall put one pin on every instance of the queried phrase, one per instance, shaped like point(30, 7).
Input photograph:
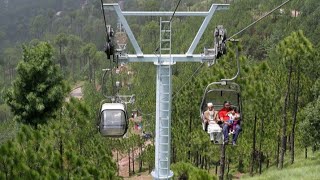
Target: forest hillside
point(48, 48)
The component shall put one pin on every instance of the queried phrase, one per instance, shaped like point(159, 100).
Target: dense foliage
point(38, 90)
point(279, 79)
point(68, 147)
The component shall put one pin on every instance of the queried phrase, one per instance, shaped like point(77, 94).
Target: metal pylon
point(163, 106)
point(163, 63)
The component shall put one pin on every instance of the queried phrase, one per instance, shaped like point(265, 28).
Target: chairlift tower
point(164, 61)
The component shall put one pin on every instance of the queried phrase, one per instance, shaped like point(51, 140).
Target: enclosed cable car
point(113, 120)
point(113, 116)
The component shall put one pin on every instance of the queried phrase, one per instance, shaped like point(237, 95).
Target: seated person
point(211, 118)
point(208, 115)
point(233, 120)
point(223, 114)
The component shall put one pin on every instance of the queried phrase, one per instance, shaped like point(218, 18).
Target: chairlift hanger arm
point(238, 63)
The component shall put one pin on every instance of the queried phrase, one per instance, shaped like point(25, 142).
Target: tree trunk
point(253, 145)
point(260, 162)
point(203, 162)
point(129, 162)
point(284, 120)
point(222, 161)
point(94, 76)
point(228, 166)
point(4, 75)
point(73, 67)
point(133, 160)
point(260, 145)
point(216, 168)
point(140, 164)
point(306, 152)
point(90, 71)
point(173, 153)
point(295, 112)
point(118, 161)
point(61, 154)
point(190, 124)
point(278, 150)
point(197, 159)
point(285, 146)
point(268, 161)
point(289, 141)
point(60, 59)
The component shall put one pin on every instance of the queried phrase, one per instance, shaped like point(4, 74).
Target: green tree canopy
point(39, 88)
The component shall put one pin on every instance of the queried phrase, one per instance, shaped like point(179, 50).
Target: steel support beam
point(128, 29)
point(208, 15)
point(166, 58)
point(201, 30)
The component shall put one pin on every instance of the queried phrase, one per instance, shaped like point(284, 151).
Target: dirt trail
point(123, 164)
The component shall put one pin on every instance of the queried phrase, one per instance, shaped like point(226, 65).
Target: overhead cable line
point(104, 19)
point(174, 12)
point(190, 78)
point(270, 12)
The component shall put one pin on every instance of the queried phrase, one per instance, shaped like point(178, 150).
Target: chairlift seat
point(217, 93)
point(214, 128)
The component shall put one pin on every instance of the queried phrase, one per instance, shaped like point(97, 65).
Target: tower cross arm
point(121, 15)
point(166, 58)
point(214, 7)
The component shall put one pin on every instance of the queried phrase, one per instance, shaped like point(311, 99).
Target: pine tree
point(39, 89)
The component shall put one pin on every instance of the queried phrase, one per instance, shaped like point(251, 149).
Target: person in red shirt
point(223, 115)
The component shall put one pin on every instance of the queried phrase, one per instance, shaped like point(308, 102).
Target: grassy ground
point(302, 169)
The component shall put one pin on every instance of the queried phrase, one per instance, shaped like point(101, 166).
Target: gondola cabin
point(113, 120)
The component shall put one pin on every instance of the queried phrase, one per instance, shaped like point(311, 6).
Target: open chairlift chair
point(217, 93)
